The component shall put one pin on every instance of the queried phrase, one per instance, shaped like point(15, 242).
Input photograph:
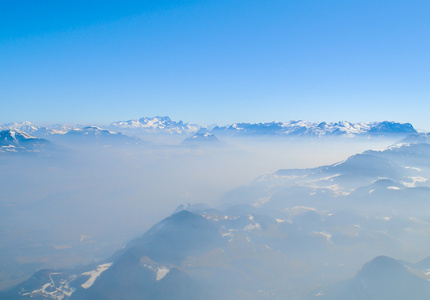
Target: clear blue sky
point(218, 61)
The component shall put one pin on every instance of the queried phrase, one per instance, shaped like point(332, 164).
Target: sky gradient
point(211, 62)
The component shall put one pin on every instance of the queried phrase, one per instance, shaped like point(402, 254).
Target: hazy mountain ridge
point(231, 255)
point(405, 167)
point(97, 136)
point(43, 140)
point(417, 138)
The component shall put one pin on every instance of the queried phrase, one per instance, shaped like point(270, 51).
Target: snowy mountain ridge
point(317, 129)
point(164, 125)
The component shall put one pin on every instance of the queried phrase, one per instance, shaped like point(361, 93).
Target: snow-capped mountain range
point(302, 128)
point(156, 125)
point(290, 128)
point(164, 125)
point(34, 138)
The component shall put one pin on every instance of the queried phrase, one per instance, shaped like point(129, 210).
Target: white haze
point(82, 204)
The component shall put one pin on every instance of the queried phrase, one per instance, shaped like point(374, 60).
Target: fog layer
point(82, 203)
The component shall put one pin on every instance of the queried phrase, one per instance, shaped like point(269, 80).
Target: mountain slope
point(148, 267)
point(348, 184)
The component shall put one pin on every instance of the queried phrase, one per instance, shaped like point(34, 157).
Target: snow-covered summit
point(157, 125)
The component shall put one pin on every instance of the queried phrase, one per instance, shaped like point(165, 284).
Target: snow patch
point(414, 179)
point(50, 290)
point(162, 272)
point(329, 177)
point(253, 225)
point(414, 168)
point(427, 274)
point(327, 236)
point(94, 274)
point(393, 188)
point(260, 202)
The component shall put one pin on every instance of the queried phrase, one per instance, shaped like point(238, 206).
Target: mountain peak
point(381, 265)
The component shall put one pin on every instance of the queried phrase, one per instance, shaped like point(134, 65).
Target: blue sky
point(215, 61)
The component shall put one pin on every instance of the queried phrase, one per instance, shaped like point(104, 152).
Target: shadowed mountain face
point(148, 268)
point(177, 237)
point(382, 278)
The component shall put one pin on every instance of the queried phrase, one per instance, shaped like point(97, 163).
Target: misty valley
point(157, 209)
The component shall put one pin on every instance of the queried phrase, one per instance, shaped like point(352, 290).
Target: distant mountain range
point(164, 125)
point(291, 128)
point(35, 138)
point(313, 129)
